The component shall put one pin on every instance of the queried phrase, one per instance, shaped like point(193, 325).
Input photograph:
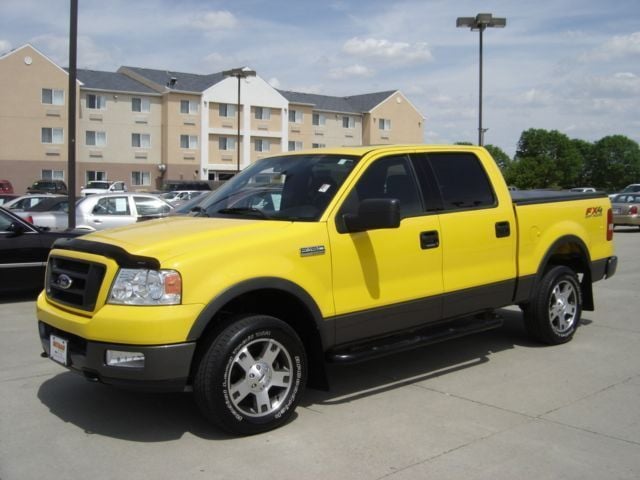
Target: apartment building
point(146, 126)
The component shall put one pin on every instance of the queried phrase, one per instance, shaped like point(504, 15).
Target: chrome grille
point(74, 282)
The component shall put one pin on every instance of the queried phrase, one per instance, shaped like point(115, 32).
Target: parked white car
point(181, 195)
point(98, 186)
point(107, 210)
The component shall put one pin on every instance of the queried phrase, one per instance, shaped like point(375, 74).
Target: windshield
point(295, 187)
point(104, 185)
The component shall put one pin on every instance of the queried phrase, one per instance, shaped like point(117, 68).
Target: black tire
point(251, 376)
point(553, 314)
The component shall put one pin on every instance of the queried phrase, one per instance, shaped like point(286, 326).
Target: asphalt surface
point(490, 406)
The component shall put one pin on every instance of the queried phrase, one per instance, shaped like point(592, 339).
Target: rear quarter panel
point(540, 225)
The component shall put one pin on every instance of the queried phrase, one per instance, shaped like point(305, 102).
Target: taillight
point(633, 210)
point(609, 224)
point(29, 219)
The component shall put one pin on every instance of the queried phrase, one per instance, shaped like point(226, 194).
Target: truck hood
point(170, 237)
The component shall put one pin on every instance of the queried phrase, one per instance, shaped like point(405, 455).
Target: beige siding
point(182, 163)
point(119, 122)
point(407, 124)
point(23, 75)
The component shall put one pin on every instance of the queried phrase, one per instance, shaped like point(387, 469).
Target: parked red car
point(5, 186)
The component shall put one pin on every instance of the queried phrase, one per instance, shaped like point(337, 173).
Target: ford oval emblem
point(64, 281)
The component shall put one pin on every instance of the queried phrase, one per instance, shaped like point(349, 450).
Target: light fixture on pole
point(239, 73)
point(480, 22)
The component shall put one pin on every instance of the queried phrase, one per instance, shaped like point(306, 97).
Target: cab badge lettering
point(311, 251)
point(64, 282)
point(593, 212)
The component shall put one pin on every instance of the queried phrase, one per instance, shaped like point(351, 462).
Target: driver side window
point(389, 177)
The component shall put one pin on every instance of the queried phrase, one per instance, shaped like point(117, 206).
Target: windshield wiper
point(243, 211)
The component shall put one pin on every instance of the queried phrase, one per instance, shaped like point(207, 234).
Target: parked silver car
point(108, 210)
point(626, 209)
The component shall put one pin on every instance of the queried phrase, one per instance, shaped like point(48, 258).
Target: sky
point(566, 65)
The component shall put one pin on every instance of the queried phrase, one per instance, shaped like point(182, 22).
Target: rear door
point(111, 211)
point(478, 232)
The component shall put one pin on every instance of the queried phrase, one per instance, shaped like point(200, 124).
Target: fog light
point(117, 358)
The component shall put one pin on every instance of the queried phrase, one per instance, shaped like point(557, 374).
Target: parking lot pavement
point(492, 405)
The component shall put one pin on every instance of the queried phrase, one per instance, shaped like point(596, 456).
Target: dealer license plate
point(58, 349)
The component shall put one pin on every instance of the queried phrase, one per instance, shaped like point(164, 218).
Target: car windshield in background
point(295, 187)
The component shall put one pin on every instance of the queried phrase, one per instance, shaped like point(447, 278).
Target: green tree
point(614, 163)
point(502, 159)
point(546, 159)
point(585, 149)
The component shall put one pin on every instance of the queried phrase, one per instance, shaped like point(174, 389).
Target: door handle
point(429, 239)
point(503, 229)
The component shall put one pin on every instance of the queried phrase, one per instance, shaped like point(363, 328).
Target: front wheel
point(553, 314)
point(251, 376)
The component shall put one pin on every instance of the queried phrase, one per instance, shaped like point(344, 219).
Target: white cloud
point(274, 82)
point(89, 55)
point(400, 51)
point(350, 72)
point(616, 47)
point(220, 20)
point(5, 46)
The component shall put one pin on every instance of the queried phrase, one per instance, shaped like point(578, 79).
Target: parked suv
point(48, 186)
point(5, 186)
point(100, 186)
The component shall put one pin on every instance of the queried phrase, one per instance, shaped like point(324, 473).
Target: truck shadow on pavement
point(157, 417)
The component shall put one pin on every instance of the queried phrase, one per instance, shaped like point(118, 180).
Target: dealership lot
point(492, 405)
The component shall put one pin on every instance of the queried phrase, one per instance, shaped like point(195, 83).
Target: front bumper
point(166, 367)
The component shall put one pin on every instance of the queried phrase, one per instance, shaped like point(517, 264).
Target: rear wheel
point(553, 314)
point(251, 376)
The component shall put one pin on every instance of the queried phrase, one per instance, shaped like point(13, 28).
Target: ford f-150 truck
point(329, 255)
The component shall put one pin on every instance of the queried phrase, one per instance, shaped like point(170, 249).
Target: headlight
point(146, 287)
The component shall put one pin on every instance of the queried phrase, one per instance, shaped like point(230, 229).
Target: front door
point(389, 279)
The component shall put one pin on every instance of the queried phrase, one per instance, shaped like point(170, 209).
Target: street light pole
point(480, 22)
point(239, 73)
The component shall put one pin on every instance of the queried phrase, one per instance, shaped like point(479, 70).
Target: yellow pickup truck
point(328, 255)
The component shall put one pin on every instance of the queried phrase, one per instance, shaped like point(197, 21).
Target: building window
point(318, 119)
point(52, 174)
point(226, 143)
point(227, 110)
point(262, 113)
point(141, 140)
point(54, 136)
point(384, 124)
point(348, 122)
point(189, 107)
point(142, 105)
point(294, 146)
point(97, 102)
point(189, 141)
point(295, 116)
point(95, 176)
point(95, 139)
point(318, 145)
point(261, 145)
point(52, 96)
point(140, 178)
